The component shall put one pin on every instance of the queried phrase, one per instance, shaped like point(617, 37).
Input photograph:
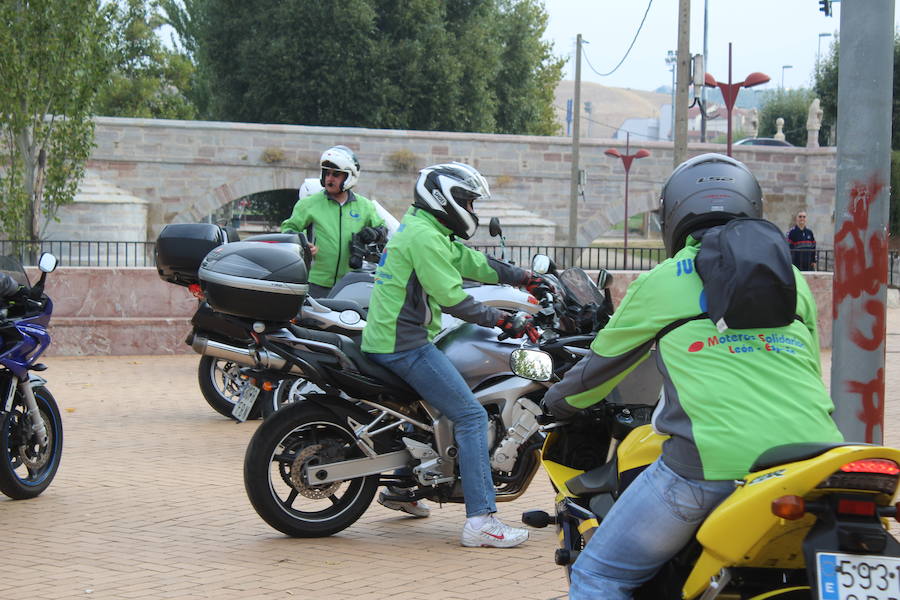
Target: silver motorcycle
point(312, 468)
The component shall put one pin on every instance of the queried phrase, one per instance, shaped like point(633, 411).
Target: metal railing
point(80, 253)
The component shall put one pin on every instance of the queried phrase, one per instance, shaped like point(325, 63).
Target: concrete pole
point(576, 130)
point(705, 63)
point(861, 216)
point(683, 82)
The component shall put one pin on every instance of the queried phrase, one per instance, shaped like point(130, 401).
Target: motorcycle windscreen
point(10, 265)
point(580, 287)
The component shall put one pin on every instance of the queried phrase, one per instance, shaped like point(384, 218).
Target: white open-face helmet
point(309, 187)
point(340, 158)
point(449, 191)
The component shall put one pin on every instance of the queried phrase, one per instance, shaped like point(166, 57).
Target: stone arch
point(216, 197)
point(600, 217)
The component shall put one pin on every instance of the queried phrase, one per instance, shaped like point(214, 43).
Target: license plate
point(858, 577)
point(245, 404)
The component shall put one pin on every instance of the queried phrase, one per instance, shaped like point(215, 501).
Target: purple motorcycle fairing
point(34, 339)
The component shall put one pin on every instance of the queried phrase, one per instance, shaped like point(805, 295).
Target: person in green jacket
point(335, 214)
point(728, 395)
point(420, 274)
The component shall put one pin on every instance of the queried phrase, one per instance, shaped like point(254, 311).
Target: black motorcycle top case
point(181, 247)
point(255, 280)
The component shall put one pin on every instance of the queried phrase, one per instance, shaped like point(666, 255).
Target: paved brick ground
point(149, 503)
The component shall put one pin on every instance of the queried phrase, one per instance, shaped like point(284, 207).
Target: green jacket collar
point(419, 213)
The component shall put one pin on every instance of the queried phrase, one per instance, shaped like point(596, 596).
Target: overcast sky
point(765, 36)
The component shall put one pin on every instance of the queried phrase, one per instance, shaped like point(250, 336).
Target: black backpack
point(747, 275)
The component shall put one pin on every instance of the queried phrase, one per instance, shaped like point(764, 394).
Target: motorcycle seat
point(596, 481)
point(340, 305)
point(363, 364)
point(794, 452)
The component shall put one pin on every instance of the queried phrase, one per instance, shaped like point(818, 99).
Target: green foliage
point(736, 135)
point(53, 61)
point(790, 105)
point(149, 80)
point(273, 206)
point(826, 87)
point(470, 65)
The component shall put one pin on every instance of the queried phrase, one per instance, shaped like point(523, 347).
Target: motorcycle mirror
point(604, 279)
point(47, 263)
point(540, 263)
point(535, 365)
point(494, 227)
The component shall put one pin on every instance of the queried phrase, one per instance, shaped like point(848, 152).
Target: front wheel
point(28, 466)
point(294, 437)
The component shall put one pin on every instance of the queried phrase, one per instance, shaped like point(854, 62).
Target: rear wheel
point(29, 466)
point(221, 383)
point(297, 436)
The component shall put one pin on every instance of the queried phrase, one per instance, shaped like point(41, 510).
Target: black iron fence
point(79, 253)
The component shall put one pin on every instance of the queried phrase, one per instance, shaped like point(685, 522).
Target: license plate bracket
point(857, 576)
point(245, 403)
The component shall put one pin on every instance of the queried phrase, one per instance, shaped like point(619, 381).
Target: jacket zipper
point(337, 265)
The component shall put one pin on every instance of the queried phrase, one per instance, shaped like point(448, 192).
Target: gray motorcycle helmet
point(705, 191)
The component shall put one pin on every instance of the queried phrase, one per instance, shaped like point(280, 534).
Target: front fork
point(35, 428)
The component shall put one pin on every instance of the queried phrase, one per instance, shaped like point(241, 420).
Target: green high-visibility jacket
point(420, 273)
point(333, 225)
point(728, 396)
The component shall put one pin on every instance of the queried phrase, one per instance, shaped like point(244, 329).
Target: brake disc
point(298, 482)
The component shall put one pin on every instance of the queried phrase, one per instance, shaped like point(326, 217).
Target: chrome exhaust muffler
point(258, 358)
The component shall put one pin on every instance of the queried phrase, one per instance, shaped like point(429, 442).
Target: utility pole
point(683, 81)
point(705, 63)
point(859, 295)
point(576, 129)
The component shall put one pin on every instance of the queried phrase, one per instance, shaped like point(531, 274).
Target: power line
point(627, 52)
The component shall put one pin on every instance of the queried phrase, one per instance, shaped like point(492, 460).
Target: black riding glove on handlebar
point(372, 235)
point(536, 285)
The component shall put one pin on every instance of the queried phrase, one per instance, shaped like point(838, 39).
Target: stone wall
point(113, 311)
point(188, 169)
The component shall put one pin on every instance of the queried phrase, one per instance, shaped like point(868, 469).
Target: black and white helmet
point(449, 191)
point(705, 191)
point(340, 158)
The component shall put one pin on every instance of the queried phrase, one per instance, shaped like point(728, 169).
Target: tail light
point(858, 508)
point(874, 474)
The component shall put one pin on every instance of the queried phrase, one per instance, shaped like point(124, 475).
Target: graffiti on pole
point(861, 268)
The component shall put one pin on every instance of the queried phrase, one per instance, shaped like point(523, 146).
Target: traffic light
point(825, 7)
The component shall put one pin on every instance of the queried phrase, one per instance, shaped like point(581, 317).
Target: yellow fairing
point(743, 532)
point(640, 448)
point(559, 474)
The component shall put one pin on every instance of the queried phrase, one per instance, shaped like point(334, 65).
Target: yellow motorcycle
point(810, 521)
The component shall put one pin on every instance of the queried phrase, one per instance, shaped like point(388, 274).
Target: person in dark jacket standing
point(803, 244)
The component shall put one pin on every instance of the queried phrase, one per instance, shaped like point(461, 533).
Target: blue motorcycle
point(31, 434)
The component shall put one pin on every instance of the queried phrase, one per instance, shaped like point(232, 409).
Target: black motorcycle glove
point(537, 285)
point(516, 325)
point(372, 235)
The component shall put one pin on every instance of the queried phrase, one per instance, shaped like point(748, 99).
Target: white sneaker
point(416, 508)
point(493, 534)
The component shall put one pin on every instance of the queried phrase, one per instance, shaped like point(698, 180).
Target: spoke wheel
point(295, 438)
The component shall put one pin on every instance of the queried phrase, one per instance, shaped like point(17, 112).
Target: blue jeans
point(653, 519)
point(428, 371)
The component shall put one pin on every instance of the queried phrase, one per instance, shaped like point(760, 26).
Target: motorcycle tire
point(289, 390)
point(297, 435)
point(220, 385)
point(28, 468)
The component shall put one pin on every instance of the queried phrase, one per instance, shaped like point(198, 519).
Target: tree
point(148, 80)
point(53, 61)
point(790, 105)
point(470, 65)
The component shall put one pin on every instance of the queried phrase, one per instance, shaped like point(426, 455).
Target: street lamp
point(819, 47)
point(783, 67)
point(730, 90)
point(626, 162)
point(672, 61)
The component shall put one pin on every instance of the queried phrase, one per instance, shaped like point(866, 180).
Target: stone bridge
point(182, 171)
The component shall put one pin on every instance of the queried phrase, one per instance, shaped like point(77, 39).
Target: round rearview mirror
point(47, 263)
point(531, 364)
point(540, 263)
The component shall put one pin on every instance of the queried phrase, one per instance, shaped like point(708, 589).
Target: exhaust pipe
point(245, 356)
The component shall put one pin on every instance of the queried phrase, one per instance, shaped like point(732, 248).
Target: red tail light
point(789, 507)
point(872, 465)
point(862, 508)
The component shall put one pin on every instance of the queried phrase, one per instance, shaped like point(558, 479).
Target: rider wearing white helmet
point(336, 213)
